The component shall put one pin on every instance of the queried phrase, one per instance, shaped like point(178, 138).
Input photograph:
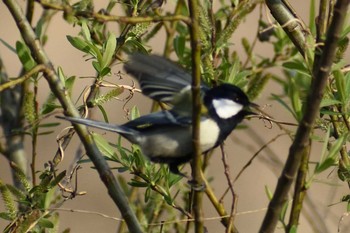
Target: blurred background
point(322, 198)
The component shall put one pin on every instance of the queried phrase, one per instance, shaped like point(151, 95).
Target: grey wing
point(159, 78)
point(158, 120)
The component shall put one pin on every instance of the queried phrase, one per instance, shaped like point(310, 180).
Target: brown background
point(240, 146)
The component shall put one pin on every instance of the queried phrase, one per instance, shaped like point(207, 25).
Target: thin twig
point(86, 212)
point(220, 209)
point(256, 155)
point(19, 80)
point(230, 187)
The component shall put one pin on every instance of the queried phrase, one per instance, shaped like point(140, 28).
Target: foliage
point(153, 192)
point(32, 214)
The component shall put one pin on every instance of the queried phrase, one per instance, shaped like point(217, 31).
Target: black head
point(226, 101)
point(227, 105)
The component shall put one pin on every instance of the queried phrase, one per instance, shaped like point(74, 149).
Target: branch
point(69, 10)
point(299, 191)
point(19, 80)
point(219, 207)
point(291, 24)
point(11, 119)
point(60, 92)
point(301, 141)
point(196, 80)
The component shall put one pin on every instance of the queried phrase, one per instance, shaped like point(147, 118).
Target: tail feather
point(101, 125)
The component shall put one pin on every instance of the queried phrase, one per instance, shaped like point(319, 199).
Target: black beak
point(249, 111)
point(254, 105)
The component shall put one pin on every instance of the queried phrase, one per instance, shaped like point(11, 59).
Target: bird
point(166, 136)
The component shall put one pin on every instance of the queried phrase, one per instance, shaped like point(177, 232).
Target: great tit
point(166, 136)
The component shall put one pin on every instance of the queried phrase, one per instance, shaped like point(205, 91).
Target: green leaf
point(61, 74)
point(6, 216)
point(343, 45)
point(335, 148)
point(284, 211)
point(140, 184)
point(46, 132)
point(8, 46)
point(325, 144)
point(58, 179)
point(81, 161)
point(327, 112)
point(232, 74)
point(179, 46)
point(109, 51)
point(25, 56)
point(95, 52)
point(268, 193)
point(97, 66)
point(104, 146)
point(284, 104)
point(140, 47)
point(147, 195)
point(69, 84)
point(331, 157)
point(111, 5)
point(246, 46)
point(294, 95)
point(168, 199)
point(173, 179)
point(39, 28)
point(122, 169)
point(85, 31)
point(329, 102)
point(327, 163)
point(134, 113)
point(235, 67)
point(55, 219)
point(104, 113)
point(105, 71)
point(312, 17)
point(44, 222)
point(340, 84)
point(49, 107)
point(297, 66)
point(79, 44)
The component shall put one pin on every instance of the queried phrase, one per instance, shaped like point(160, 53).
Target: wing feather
point(159, 78)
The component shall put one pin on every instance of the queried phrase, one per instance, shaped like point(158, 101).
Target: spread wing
point(159, 78)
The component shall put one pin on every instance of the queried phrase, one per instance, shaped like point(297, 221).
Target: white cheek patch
point(226, 108)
